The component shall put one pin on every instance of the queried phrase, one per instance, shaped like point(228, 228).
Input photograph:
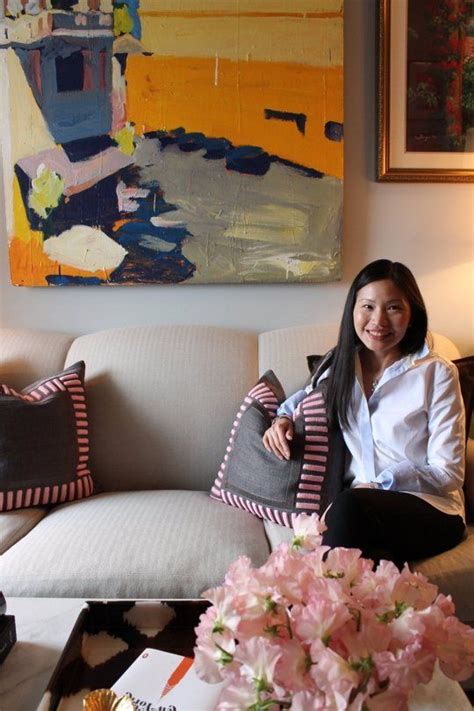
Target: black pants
point(390, 525)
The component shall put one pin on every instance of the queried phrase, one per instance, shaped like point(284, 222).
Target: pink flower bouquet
point(315, 628)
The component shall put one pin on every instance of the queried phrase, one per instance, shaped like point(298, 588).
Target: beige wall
point(429, 227)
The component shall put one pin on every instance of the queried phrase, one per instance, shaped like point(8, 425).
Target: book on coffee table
point(161, 680)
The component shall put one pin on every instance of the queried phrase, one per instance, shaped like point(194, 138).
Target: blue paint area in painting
point(132, 7)
point(298, 119)
point(59, 280)
point(65, 5)
point(334, 130)
point(310, 172)
point(217, 148)
point(191, 142)
point(85, 148)
point(70, 72)
point(146, 262)
point(166, 138)
point(248, 159)
point(132, 232)
point(70, 111)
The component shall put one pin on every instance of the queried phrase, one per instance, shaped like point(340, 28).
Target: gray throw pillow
point(253, 479)
point(44, 442)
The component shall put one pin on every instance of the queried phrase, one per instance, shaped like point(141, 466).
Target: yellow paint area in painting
point(316, 41)
point(46, 191)
point(270, 223)
point(125, 139)
point(29, 133)
point(225, 98)
point(307, 7)
point(29, 265)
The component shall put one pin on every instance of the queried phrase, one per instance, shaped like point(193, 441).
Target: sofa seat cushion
point(16, 524)
point(137, 544)
point(453, 573)
point(277, 534)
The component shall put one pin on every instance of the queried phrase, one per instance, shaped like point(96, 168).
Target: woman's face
point(381, 317)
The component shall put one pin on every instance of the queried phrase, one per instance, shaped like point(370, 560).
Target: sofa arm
point(469, 480)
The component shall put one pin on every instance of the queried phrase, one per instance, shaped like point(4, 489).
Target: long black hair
point(342, 374)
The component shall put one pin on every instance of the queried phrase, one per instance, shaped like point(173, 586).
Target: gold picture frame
point(395, 162)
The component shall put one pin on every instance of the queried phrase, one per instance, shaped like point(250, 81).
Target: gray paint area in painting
point(284, 226)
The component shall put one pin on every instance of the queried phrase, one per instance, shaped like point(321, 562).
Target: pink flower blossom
point(239, 573)
point(333, 675)
point(293, 666)
point(308, 529)
point(223, 601)
point(457, 652)
point(407, 667)
point(407, 626)
point(211, 657)
point(389, 700)
point(237, 696)
point(445, 604)
point(329, 588)
point(374, 589)
point(347, 565)
point(214, 650)
point(414, 589)
point(365, 635)
point(319, 618)
point(310, 701)
point(320, 630)
point(258, 658)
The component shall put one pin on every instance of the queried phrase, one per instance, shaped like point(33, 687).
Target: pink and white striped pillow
point(44, 442)
point(253, 479)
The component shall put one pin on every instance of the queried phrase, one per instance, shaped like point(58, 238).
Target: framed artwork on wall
point(426, 90)
point(172, 141)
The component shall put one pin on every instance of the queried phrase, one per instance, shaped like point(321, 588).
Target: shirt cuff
point(385, 480)
point(289, 406)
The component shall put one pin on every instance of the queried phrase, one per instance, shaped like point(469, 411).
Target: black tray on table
point(107, 638)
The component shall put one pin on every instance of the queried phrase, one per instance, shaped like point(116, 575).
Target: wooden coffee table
point(44, 625)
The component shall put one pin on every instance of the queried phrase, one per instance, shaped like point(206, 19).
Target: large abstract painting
point(172, 141)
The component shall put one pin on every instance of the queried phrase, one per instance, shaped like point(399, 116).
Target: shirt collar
point(398, 367)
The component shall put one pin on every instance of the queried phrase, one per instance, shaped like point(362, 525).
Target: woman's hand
point(277, 436)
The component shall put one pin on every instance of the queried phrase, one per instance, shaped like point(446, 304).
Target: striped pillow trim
point(315, 455)
point(71, 381)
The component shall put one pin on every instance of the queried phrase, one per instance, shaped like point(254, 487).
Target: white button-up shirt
point(409, 435)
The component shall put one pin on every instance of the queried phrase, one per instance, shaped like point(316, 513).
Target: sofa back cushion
point(284, 351)
point(29, 355)
point(161, 402)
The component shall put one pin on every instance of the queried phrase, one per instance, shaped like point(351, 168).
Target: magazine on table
point(161, 681)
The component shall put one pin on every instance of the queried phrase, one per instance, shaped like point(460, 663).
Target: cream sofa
point(161, 403)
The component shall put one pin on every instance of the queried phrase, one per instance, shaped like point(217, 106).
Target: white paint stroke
point(85, 248)
point(216, 71)
point(5, 146)
point(159, 221)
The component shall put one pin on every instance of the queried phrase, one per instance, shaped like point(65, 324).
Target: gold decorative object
point(107, 700)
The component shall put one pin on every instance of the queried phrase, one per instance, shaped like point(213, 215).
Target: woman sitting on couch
point(400, 410)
